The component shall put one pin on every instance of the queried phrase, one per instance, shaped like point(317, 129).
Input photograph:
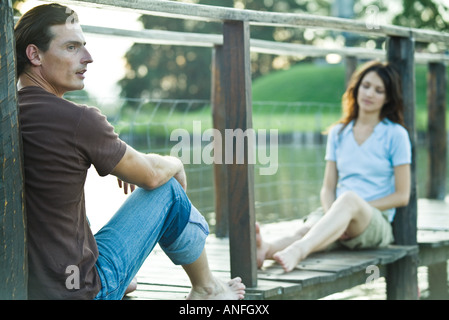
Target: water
point(289, 194)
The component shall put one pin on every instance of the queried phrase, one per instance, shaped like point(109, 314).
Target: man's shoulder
point(36, 96)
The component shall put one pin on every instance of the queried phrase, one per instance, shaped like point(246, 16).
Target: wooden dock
point(319, 275)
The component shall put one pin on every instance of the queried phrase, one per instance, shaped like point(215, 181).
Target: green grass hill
point(307, 82)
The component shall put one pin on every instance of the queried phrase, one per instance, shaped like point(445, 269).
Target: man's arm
point(149, 171)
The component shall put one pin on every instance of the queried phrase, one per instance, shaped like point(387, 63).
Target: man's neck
point(28, 79)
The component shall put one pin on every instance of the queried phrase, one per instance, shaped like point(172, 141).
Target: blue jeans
point(165, 216)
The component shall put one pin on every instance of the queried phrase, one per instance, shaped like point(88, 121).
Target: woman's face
point(371, 94)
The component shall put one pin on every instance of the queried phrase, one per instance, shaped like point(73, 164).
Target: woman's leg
point(266, 249)
point(349, 215)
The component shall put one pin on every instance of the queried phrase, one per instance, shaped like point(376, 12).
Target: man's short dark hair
point(34, 28)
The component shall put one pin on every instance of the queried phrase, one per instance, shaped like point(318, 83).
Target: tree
point(15, 4)
point(184, 72)
point(424, 14)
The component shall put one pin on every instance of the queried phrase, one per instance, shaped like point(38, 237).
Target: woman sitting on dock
point(367, 173)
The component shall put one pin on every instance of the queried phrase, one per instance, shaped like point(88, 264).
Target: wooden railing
point(232, 109)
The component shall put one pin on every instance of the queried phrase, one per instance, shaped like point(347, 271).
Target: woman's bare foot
point(289, 257)
point(219, 290)
point(262, 248)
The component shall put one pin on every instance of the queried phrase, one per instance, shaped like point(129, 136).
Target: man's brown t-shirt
point(60, 142)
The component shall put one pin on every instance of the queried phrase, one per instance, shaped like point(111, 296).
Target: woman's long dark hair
point(393, 109)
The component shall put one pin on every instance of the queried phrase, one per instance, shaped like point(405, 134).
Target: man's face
point(65, 62)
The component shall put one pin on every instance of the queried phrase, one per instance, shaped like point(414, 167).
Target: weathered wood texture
point(236, 86)
point(165, 37)
point(13, 266)
point(402, 280)
point(436, 129)
point(400, 54)
point(220, 167)
point(190, 39)
point(317, 276)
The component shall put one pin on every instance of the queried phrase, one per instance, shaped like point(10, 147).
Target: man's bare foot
point(219, 290)
point(132, 286)
point(262, 247)
point(289, 257)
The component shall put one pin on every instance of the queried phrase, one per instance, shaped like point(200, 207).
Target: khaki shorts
point(379, 233)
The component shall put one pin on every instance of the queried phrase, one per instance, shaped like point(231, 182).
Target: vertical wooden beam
point(436, 129)
point(437, 277)
point(436, 167)
point(13, 255)
point(219, 123)
point(351, 66)
point(240, 182)
point(402, 281)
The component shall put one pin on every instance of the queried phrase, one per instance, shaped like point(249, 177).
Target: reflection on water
point(291, 193)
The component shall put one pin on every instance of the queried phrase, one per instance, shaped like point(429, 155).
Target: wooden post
point(437, 277)
point(402, 282)
point(236, 84)
point(436, 129)
point(351, 66)
point(437, 157)
point(13, 254)
point(219, 123)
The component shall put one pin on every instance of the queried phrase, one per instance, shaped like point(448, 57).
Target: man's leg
point(206, 287)
point(188, 251)
point(163, 215)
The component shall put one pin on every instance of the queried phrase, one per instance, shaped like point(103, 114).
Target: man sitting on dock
point(61, 140)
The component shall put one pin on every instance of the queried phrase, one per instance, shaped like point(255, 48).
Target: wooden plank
point(270, 289)
point(432, 238)
point(164, 37)
point(215, 13)
point(319, 275)
point(436, 130)
point(191, 39)
point(240, 181)
point(13, 256)
point(303, 277)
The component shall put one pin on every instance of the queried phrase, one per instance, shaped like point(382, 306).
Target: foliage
point(184, 72)
point(15, 4)
point(424, 14)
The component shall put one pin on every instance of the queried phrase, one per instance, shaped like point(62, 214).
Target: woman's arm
point(328, 190)
point(401, 196)
point(149, 171)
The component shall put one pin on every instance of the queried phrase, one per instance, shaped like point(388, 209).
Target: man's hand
point(125, 186)
point(148, 171)
point(181, 178)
